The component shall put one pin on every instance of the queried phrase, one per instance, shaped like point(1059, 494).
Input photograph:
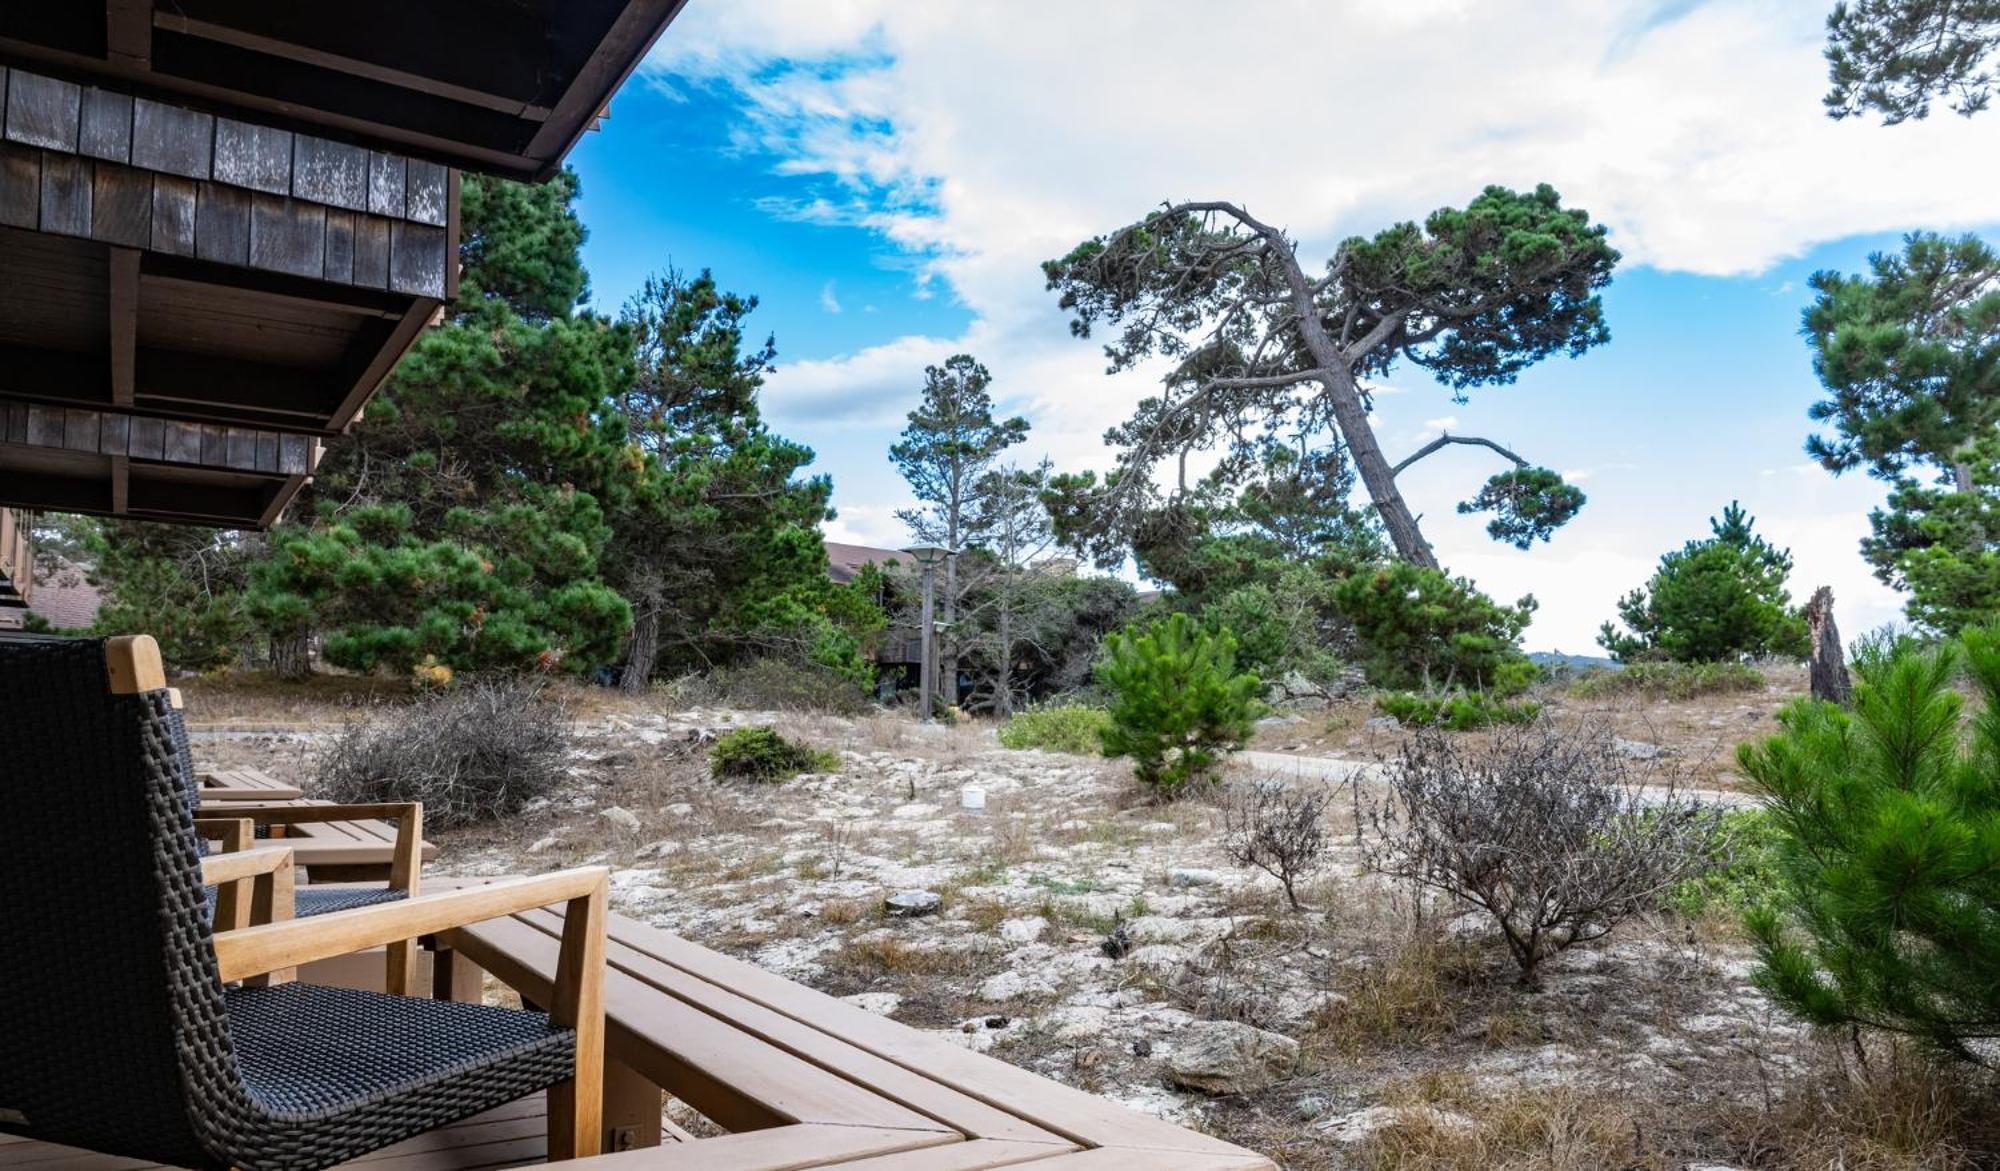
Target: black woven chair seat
point(310, 900)
point(307, 1050)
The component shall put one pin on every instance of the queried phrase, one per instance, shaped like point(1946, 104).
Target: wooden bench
point(244, 784)
point(801, 1079)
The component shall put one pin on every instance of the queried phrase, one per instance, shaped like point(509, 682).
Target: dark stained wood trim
point(286, 50)
point(382, 355)
point(124, 298)
point(617, 55)
point(121, 484)
point(128, 33)
point(124, 436)
point(451, 237)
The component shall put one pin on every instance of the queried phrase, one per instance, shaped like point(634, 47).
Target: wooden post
point(631, 1108)
point(1829, 662)
point(576, 1106)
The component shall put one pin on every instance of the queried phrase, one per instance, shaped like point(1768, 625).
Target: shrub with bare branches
point(475, 753)
point(1278, 829)
point(1551, 830)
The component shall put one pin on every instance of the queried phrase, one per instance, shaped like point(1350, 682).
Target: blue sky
point(885, 175)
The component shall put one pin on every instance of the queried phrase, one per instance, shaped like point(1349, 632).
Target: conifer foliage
point(1713, 600)
point(1888, 912)
point(1179, 706)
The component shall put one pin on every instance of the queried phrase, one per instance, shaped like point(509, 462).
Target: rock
point(1638, 749)
point(543, 845)
point(1023, 930)
point(908, 904)
point(1309, 1107)
point(621, 817)
point(1383, 724)
point(1190, 876)
point(1229, 1057)
point(1142, 1048)
point(1279, 721)
point(879, 1003)
point(1008, 985)
point(662, 849)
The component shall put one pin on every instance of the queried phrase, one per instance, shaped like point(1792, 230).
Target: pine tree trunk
point(1003, 684)
point(1829, 662)
point(1343, 394)
point(290, 657)
point(642, 651)
point(948, 641)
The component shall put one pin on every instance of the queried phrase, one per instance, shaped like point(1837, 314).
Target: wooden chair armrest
point(217, 869)
point(256, 950)
point(231, 833)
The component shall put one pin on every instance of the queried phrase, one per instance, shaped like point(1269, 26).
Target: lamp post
point(928, 558)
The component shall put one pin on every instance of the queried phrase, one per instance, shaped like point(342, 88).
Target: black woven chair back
point(112, 1029)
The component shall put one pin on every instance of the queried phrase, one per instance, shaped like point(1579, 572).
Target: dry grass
point(879, 955)
point(1417, 992)
point(1559, 1128)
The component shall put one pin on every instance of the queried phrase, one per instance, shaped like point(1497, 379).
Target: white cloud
point(980, 139)
point(827, 300)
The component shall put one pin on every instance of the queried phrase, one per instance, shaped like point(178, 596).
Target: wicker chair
point(127, 1026)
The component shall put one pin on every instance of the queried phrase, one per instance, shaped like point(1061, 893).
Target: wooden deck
point(798, 1079)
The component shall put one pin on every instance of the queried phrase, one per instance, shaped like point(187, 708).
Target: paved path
point(1297, 766)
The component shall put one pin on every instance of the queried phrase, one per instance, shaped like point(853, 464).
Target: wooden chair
point(128, 1026)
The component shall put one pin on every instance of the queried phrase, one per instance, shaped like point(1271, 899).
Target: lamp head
point(929, 555)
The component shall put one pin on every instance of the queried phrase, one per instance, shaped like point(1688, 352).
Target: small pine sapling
point(1179, 705)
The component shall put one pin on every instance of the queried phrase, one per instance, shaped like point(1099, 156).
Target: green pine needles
point(1887, 913)
point(1179, 706)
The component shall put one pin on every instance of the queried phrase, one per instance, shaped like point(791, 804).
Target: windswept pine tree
point(1722, 598)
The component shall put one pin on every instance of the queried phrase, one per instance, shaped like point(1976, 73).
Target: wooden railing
point(17, 560)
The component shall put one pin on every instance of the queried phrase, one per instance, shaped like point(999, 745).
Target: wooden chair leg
point(576, 1107)
point(402, 975)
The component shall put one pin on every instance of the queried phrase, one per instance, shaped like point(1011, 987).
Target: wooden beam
point(128, 33)
point(124, 299)
point(618, 54)
point(307, 55)
point(379, 352)
point(121, 484)
point(170, 441)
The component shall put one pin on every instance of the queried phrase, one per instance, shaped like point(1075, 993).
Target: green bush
point(1741, 871)
point(1669, 680)
point(1886, 909)
point(1711, 600)
point(1065, 727)
point(1422, 629)
point(1461, 711)
point(760, 754)
point(1178, 703)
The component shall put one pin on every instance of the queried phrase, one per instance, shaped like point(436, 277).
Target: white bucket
point(972, 798)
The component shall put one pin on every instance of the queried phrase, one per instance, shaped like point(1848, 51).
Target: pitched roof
point(67, 603)
point(844, 562)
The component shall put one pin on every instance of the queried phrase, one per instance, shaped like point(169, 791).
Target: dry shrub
point(1551, 830)
point(476, 753)
point(1278, 829)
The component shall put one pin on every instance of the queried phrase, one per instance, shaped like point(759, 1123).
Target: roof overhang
point(503, 87)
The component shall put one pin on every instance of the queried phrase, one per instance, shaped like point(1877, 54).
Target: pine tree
point(469, 505)
point(1910, 357)
point(724, 525)
point(1723, 598)
point(951, 442)
point(1179, 705)
point(1887, 914)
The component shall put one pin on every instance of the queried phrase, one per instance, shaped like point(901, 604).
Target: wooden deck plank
point(788, 1148)
point(967, 1115)
point(973, 1156)
point(1072, 1113)
point(733, 1078)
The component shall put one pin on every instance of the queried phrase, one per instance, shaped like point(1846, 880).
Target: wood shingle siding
point(89, 162)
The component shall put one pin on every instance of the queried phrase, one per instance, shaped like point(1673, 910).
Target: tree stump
point(1829, 662)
